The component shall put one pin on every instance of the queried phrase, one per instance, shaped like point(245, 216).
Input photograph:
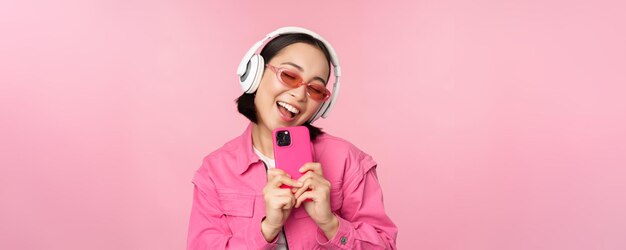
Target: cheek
point(265, 96)
point(261, 101)
point(264, 92)
point(312, 107)
point(268, 88)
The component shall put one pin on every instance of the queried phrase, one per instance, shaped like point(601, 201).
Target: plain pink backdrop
point(496, 124)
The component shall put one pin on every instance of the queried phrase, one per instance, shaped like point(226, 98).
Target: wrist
point(330, 228)
point(269, 231)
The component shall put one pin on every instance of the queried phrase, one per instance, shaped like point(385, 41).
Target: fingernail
point(300, 170)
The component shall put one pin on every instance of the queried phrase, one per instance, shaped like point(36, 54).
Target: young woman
point(336, 204)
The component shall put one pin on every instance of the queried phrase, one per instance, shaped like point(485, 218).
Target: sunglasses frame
point(280, 70)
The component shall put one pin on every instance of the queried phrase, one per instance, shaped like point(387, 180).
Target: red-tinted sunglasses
point(291, 79)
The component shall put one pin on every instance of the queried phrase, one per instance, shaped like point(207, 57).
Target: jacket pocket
point(236, 203)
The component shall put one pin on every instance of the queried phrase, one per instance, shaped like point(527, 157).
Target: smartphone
point(292, 148)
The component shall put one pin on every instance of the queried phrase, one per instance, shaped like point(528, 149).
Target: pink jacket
point(228, 203)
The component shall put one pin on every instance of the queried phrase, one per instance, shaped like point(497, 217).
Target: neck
point(262, 140)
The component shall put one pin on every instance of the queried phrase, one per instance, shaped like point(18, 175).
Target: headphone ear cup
point(259, 62)
point(252, 77)
point(255, 71)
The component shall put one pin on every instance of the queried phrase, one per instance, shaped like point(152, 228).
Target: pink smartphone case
point(292, 157)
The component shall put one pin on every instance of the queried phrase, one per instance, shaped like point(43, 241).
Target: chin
point(278, 122)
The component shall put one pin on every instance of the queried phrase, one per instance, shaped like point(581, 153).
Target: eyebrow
point(301, 69)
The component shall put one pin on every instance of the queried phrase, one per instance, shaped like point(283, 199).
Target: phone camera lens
point(283, 138)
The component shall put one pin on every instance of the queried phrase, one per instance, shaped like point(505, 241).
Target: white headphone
point(252, 65)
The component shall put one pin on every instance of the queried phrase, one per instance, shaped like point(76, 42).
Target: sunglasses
point(291, 79)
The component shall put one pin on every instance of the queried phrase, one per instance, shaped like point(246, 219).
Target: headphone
point(252, 65)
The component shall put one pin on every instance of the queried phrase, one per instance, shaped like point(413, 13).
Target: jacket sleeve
point(208, 228)
point(363, 223)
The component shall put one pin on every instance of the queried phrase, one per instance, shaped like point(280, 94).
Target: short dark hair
point(245, 102)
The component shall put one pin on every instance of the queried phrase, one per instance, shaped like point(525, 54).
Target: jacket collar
point(244, 144)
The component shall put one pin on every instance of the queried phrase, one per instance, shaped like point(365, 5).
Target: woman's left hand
point(316, 188)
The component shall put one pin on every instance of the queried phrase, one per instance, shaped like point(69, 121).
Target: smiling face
point(278, 105)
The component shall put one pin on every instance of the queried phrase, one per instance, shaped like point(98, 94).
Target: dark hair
point(245, 102)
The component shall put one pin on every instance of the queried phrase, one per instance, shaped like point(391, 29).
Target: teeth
point(291, 109)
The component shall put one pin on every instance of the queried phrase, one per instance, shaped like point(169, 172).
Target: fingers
point(304, 197)
point(312, 181)
point(273, 172)
point(280, 180)
point(282, 192)
point(277, 192)
point(284, 202)
point(315, 167)
point(278, 198)
point(305, 187)
point(278, 177)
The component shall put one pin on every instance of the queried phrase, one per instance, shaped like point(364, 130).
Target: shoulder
point(337, 144)
point(213, 164)
point(230, 150)
point(354, 159)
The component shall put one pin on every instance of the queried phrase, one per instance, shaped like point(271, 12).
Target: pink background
point(496, 124)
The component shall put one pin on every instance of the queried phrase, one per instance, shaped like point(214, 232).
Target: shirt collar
point(244, 143)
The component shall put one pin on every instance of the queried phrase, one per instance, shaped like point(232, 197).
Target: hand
point(278, 202)
point(316, 188)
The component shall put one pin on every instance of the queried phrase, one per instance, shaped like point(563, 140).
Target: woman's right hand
point(278, 202)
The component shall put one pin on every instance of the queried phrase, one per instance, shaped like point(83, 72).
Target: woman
point(238, 202)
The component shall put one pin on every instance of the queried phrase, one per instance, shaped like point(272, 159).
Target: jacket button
point(344, 240)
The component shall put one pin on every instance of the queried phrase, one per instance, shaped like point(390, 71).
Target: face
point(272, 96)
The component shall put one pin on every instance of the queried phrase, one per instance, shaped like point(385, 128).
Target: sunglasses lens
point(317, 92)
point(290, 78)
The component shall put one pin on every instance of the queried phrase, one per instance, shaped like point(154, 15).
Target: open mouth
point(287, 110)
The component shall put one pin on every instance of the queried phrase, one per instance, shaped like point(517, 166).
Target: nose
point(299, 93)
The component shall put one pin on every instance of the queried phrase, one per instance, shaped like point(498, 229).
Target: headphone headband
point(251, 67)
